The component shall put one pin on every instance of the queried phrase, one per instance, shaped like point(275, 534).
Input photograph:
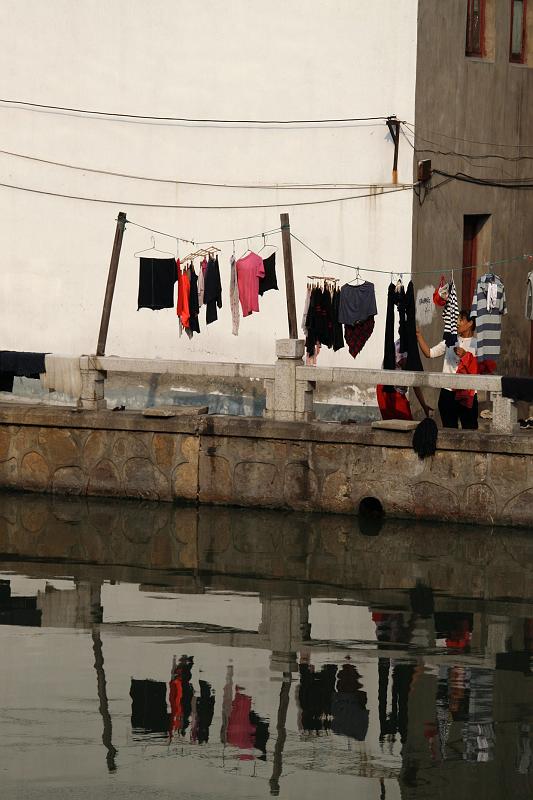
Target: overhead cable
point(152, 117)
point(458, 154)
point(178, 181)
point(403, 188)
point(413, 128)
point(497, 183)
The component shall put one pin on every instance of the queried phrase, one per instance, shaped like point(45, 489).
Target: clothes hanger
point(154, 249)
point(357, 278)
point(266, 244)
point(246, 251)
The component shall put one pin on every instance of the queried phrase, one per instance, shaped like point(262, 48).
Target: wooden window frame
point(520, 58)
point(469, 52)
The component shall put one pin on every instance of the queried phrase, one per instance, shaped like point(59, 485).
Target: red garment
point(393, 405)
point(469, 365)
point(184, 290)
point(249, 270)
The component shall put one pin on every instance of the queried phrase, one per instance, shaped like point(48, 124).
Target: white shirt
point(451, 359)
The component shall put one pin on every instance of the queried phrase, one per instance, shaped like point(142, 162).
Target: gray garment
point(529, 296)
point(357, 303)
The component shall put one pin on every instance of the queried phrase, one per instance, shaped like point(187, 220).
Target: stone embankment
point(309, 466)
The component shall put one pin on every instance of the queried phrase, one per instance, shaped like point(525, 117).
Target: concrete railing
point(289, 384)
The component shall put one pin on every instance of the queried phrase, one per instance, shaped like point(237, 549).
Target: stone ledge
point(338, 433)
point(67, 417)
point(258, 428)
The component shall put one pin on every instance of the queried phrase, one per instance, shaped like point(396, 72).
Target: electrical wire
point(440, 270)
point(458, 154)
point(177, 181)
point(91, 112)
point(518, 183)
point(467, 141)
point(292, 204)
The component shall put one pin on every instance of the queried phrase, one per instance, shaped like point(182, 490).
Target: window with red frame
point(517, 48)
point(475, 27)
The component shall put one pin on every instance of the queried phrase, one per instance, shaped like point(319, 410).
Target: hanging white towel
point(62, 375)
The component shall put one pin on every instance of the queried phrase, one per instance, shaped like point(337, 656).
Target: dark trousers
point(452, 412)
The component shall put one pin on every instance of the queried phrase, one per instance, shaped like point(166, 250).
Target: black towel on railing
point(518, 388)
point(21, 364)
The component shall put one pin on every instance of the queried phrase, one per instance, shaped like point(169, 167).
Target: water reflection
point(272, 654)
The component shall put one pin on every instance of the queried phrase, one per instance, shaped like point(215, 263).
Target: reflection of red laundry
point(241, 732)
point(176, 710)
point(460, 636)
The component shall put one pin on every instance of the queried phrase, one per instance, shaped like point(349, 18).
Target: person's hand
point(459, 351)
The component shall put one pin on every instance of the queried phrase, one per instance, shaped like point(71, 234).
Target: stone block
point(300, 485)
point(104, 479)
point(257, 482)
point(69, 480)
point(504, 415)
point(215, 479)
point(142, 479)
point(290, 348)
point(34, 472)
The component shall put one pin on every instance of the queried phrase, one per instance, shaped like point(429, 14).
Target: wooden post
point(110, 288)
point(289, 277)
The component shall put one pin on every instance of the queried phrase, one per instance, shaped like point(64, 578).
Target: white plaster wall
point(244, 59)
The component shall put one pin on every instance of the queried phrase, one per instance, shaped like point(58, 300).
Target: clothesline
point(206, 241)
point(438, 271)
point(358, 268)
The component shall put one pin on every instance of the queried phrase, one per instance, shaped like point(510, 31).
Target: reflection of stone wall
point(300, 554)
point(473, 477)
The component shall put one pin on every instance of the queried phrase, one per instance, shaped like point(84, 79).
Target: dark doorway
point(474, 251)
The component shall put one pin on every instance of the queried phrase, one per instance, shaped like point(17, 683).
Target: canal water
point(160, 652)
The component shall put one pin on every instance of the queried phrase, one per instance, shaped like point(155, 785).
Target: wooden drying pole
point(289, 276)
point(111, 279)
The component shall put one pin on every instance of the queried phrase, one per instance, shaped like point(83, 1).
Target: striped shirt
point(488, 306)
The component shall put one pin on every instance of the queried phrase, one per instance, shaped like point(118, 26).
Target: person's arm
point(423, 345)
point(420, 397)
point(430, 352)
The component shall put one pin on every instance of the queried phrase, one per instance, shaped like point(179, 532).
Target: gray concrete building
point(474, 120)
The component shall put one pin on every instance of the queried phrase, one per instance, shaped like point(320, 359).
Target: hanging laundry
point(404, 301)
point(194, 305)
point(323, 327)
point(19, 364)
point(212, 290)
point(358, 335)
point(184, 289)
point(250, 269)
point(425, 307)
point(529, 296)
point(450, 312)
point(62, 375)
point(234, 297)
point(488, 306)
point(440, 295)
point(157, 277)
point(201, 281)
point(414, 361)
point(269, 280)
point(357, 303)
